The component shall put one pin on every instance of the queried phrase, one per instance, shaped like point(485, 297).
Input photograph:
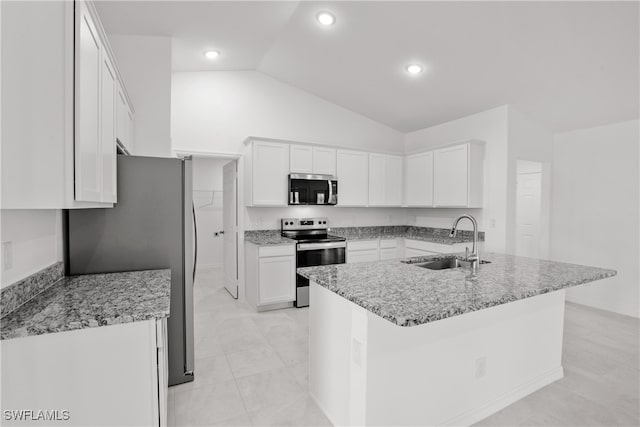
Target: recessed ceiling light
point(211, 54)
point(414, 69)
point(325, 18)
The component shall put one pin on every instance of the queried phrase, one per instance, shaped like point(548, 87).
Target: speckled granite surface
point(92, 300)
point(408, 295)
point(16, 294)
point(266, 238)
point(427, 234)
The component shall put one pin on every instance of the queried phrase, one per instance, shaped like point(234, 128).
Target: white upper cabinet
point(385, 180)
point(269, 169)
point(418, 182)
point(59, 136)
point(324, 160)
point(312, 159)
point(108, 119)
point(125, 121)
point(458, 176)
point(89, 53)
point(353, 178)
point(301, 158)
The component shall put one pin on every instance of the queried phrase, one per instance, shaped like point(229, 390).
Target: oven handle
point(315, 246)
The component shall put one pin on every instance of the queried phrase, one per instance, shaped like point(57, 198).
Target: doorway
point(216, 210)
point(532, 209)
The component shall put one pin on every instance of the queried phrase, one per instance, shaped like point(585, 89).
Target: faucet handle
point(466, 253)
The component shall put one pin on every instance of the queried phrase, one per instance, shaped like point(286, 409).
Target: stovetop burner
point(308, 230)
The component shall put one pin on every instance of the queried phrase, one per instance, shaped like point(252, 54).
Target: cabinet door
point(108, 99)
point(450, 176)
point(393, 181)
point(88, 170)
point(353, 178)
point(270, 170)
point(277, 280)
point(324, 160)
point(362, 256)
point(388, 253)
point(301, 158)
point(377, 179)
point(418, 182)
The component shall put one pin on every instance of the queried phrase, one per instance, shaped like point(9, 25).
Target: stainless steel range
point(315, 247)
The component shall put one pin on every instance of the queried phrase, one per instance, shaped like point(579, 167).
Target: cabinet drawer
point(279, 250)
point(361, 245)
point(362, 256)
point(388, 243)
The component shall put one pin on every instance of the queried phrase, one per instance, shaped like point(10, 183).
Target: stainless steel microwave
point(313, 189)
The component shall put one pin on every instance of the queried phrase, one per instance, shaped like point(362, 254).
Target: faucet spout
point(474, 257)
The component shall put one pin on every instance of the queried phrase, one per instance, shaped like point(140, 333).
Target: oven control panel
point(304, 223)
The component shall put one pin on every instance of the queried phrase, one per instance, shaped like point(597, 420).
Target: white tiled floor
point(252, 369)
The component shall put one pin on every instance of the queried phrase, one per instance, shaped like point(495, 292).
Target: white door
point(108, 130)
point(353, 178)
point(393, 181)
point(270, 173)
point(88, 170)
point(528, 210)
point(301, 158)
point(230, 227)
point(450, 176)
point(377, 179)
point(324, 160)
point(418, 182)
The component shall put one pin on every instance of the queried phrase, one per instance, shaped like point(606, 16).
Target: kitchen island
point(392, 343)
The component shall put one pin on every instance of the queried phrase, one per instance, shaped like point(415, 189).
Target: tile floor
point(251, 369)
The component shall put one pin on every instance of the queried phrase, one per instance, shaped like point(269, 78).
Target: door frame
point(239, 158)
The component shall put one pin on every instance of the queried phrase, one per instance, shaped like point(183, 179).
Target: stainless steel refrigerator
point(151, 226)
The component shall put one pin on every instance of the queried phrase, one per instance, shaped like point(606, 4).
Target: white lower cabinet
point(389, 249)
point(362, 251)
point(108, 375)
point(270, 274)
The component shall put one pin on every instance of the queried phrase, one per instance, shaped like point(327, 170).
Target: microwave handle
point(330, 191)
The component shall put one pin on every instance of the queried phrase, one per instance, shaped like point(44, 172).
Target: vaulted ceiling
point(566, 64)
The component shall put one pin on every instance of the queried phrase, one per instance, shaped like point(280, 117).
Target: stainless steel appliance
point(315, 246)
point(151, 226)
point(309, 189)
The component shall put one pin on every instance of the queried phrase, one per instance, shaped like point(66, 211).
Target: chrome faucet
point(473, 258)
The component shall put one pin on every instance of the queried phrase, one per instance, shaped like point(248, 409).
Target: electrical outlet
point(481, 367)
point(7, 255)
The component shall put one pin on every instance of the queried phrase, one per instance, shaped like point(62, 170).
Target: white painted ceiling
point(568, 65)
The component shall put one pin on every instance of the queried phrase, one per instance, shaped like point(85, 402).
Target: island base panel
point(365, 370)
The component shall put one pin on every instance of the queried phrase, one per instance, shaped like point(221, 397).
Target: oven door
point(311, 255)
point(307, 189)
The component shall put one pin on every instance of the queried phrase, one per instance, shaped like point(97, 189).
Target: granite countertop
point(408, 295)
point(266, 238)
point(426, 234)
point(92, 300)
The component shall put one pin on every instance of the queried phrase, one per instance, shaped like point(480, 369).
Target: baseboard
point(472, 416)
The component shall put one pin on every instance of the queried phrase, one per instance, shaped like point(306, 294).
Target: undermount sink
point(444, 264)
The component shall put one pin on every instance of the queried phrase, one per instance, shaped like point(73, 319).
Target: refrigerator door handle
point(195, 237)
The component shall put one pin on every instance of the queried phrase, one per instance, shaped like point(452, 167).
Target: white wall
point(215, 111)
point(527, 140)
point(145, 64)
point(207, 196)
point(36, 237)
point(595, 211)
point(490, 126)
